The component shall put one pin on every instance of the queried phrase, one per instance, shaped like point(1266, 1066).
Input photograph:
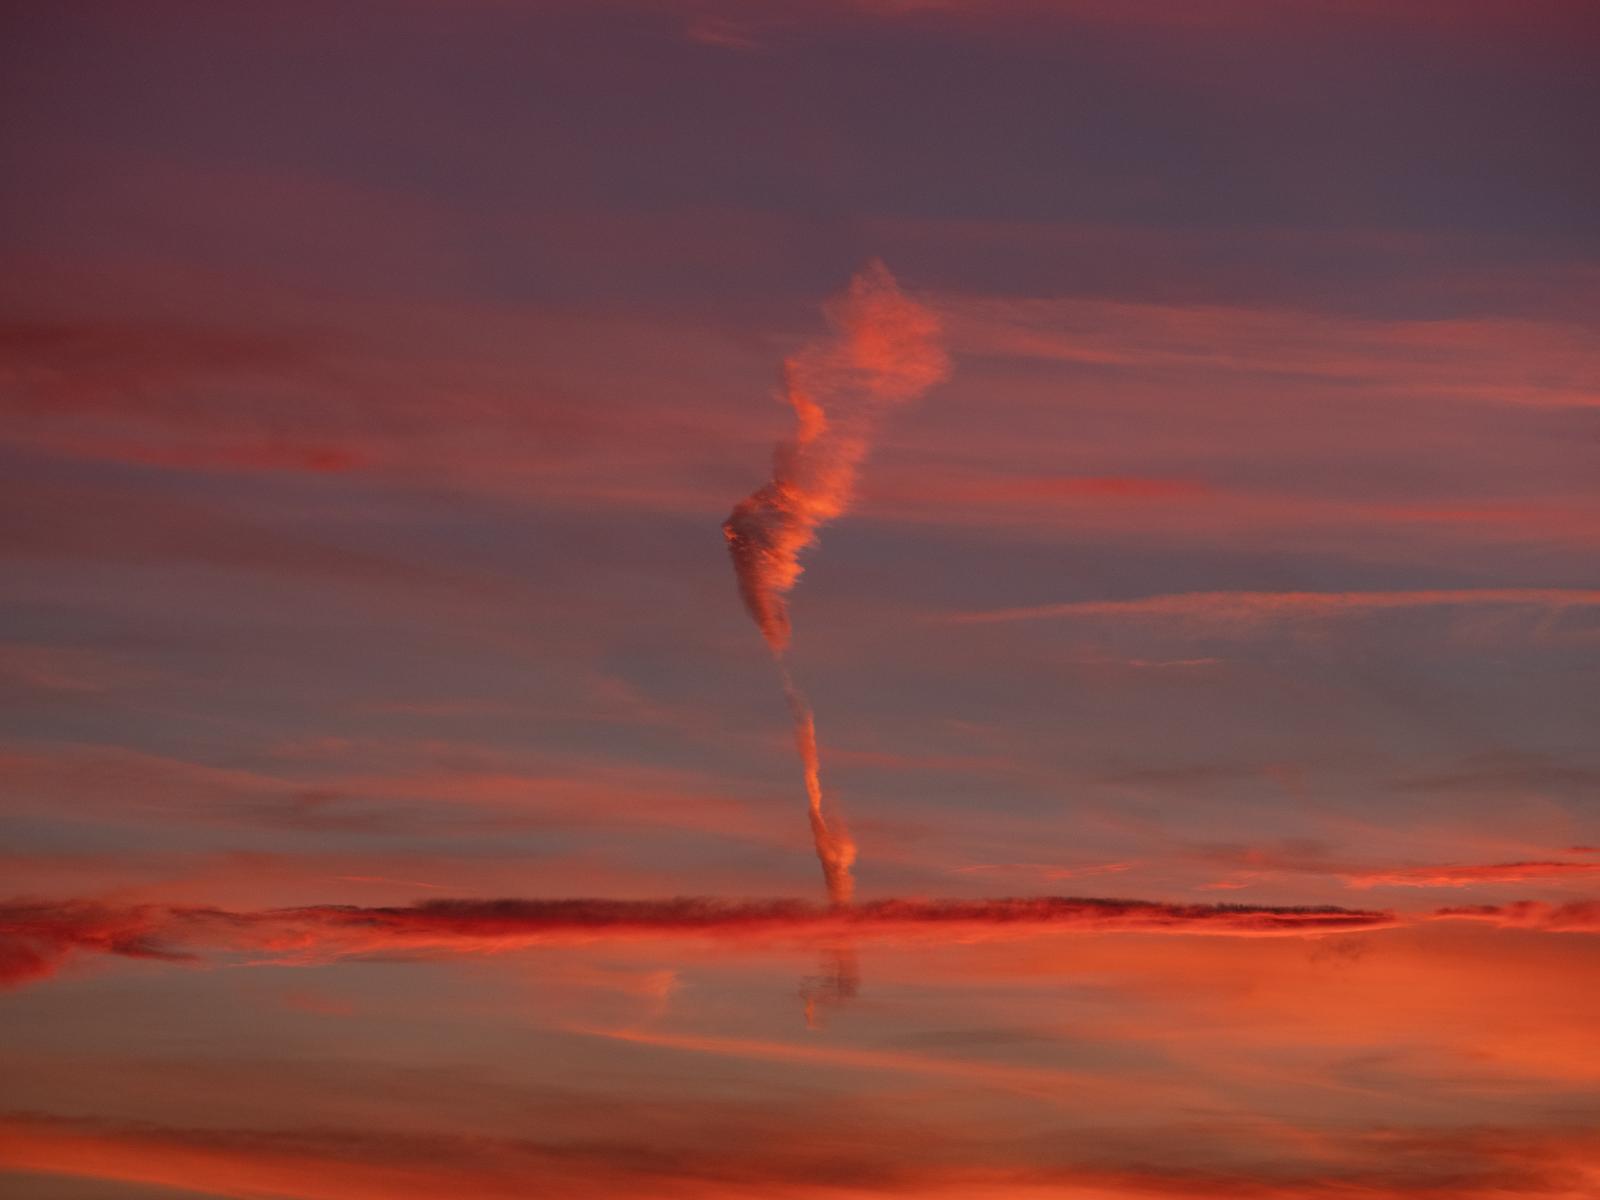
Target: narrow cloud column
point(884, 351)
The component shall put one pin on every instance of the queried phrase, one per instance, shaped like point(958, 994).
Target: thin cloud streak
point(37, 938)
point(1254, 863)
point(1268, 606)
point(1488, 361)
point(765, 1159)
point(1052, 1083)
point(1578, 916)
point(1468, 874)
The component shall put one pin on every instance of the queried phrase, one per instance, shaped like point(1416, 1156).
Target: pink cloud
point(1252, 608)
point(1503, 361)
point(35, 939)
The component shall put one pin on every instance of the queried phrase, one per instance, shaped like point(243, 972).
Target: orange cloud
point(1465, 874)
point(1255, 862)
point(884, 352)
point(1578, 916)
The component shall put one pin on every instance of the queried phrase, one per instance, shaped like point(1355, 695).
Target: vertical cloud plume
point(836, 850)
point(884, 351)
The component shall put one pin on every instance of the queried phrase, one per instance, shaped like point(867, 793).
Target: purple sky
point(377, 377)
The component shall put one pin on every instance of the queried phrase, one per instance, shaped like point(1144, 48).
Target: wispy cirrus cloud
point(1036, 1081)
point(1516, 362)
point(1577, 916)
point(1253, 864)
point(1468, 874)
point(431, 787)
point(1264, 607)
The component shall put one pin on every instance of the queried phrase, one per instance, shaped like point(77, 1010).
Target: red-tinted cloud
point(148, 394)
point(1496, 361)
point(1578, 916)
point(884, 352)
point(1257, 862)
point(35, 939)
point(790, 1156)
point(1260, 607)
point(523, 918)
point(1466, 874)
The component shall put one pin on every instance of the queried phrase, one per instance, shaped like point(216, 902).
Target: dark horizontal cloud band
point(36, 937)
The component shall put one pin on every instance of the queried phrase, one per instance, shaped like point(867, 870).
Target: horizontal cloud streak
point(514, 918)
point(36, 938)
point(766, 1158)
point(1510, 362)
point(1267, 606)
point(1578, 916)
point(1466, 874)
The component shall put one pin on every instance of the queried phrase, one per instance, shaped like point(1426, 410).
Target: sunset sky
point(1184, 413)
